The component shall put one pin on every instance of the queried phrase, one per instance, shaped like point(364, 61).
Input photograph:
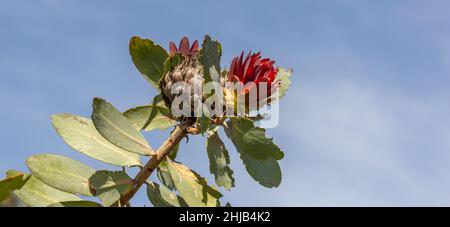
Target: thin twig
point(174, 138)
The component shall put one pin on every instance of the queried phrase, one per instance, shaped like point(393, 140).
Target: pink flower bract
point(184, 47)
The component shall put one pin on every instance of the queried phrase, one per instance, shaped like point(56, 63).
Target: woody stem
point(174, 138)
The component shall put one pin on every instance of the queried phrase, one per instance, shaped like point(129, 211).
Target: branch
point(174, 138)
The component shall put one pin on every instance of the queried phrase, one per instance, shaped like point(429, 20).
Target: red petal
point(245, 67)
point(232, 71)
point(247, 88)
point(239, 66)
point(254, 62)
point(261, 79)
point(184, 45)
point(194, 47)
point(173, 48)
point(264, 60)
point(257, 73)
point(257, 55)
point(274, 74)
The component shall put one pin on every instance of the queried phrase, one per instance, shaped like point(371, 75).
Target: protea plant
point(115, 137)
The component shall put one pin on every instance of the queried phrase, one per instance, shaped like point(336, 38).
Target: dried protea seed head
point(186, 77)
point(188, 73)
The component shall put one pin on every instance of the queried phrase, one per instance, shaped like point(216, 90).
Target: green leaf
point(164, 175)
point(192, 188)
point(219, 161)
point(162, 171)
point(283, 76)
point(81, 203)
point(252, 140)
point(204, 120)
point(80, 134)
point(265, 172)
point(203, 124)
point(35, 193)
point(173, 153)
point(109, 185)
point(61, 173)
point(258, 153)
point(158, 100)
point(172, 61)
point(210, 58)
point(161, 196)
point(148, 58)
point(10, 183)
point(150, 117)
point(112, 125)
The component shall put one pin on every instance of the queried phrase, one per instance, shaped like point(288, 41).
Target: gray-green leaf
point(162, 171)
point(61, 173)
point(80, 134)
point(164, 175)
point(112, 125)
point(192, 188)
point(150, 117)
point(148, 58)
point(219, 161)
point(252, 140)
point(258, 153)
point(203, 121)
point(172, 61)
point(35, 193)
point(109, 185)
point(265, 172)
point(161, 196)
point(158, 100)
point(210, 58)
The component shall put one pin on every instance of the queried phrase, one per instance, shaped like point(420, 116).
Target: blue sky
point(366, 121)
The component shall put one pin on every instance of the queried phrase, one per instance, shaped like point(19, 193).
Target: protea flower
point(252, 72)
point(187, 73)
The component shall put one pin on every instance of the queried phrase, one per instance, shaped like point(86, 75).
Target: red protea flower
point(184, 47)
point(253, 69)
